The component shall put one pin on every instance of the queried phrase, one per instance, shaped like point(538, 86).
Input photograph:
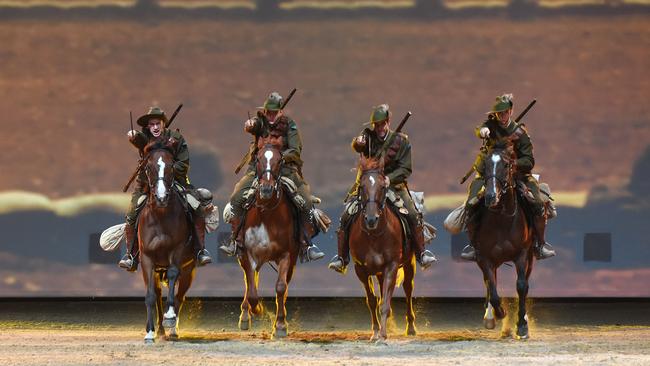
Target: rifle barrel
point(523, 113)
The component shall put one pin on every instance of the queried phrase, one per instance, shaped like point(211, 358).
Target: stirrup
point(312, 253)
point(203, 257)
point(338, 264)
point(544, 251)
point(230, 248)
point(468, 253)
point(427, 259)
point(128, 263)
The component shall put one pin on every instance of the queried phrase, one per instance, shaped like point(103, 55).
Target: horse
point(270, 235)
point(504, 235)
point(164, 236)
point(377, 247)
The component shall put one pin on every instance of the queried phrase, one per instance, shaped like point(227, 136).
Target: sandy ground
point(108, 333)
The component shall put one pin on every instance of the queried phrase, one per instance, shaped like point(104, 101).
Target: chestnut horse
point(270, 236)
point(504, 234)
point(377, 248)
point(165, 235)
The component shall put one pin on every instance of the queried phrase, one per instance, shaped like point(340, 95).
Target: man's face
point(381, 128)
point(272, 116)
point(504, 117)
point(156, 126)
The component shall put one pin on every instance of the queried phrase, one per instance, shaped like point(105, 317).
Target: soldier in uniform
point(397, 168)
point(272, 123)
point(154, 126)
point(500, 125)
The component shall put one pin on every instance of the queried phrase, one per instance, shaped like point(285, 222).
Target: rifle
point(247, 157)
point(519, 117)
point(387, 143)
point(143, 159)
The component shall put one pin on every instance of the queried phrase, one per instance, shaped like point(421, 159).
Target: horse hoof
point(381, 341)
point(244, 324)
point(489, 323)
point(411, 331)
point(279, 333)
point(522, 332)
point(172, 337)
point(149, 341)
point(169, 322)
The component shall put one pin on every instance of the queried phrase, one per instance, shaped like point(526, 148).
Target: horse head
point(499, 171)
point(159, 169)
point(373, 189)
point(269, 164)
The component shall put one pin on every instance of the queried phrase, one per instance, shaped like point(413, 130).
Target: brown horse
point(165, 235)
point(377, 248)
point(504, 235)
point(270, 236)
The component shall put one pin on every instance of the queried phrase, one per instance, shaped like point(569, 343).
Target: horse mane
point(366, 164)
point(161, 144)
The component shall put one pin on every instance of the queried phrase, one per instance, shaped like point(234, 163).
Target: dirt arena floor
point(323, 331)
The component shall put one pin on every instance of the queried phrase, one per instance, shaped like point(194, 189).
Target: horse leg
point(170, 318)
point(409, 283)
point(184, 282)
point(390, 276)
point(380, 280)
point(150, 297)
point(522, 265)
point(371, 300)
point(280, 325)
point(250, 282)
point(159, 307)
point(493, 302)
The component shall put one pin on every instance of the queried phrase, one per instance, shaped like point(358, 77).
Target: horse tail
point(400, 277)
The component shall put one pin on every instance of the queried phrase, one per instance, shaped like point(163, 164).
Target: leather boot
point(129, 260)
point(423, 256)
point(236, 237)
point(340, 261)
point(469, 253)
point(308, 248)
point(202, 255)
point(543, 249)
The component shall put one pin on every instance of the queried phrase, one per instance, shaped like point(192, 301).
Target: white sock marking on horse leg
point(526, 318)
point(161, 191)
point(170, 314)
point(489, 312)
point(268, 155)
point(151, 335)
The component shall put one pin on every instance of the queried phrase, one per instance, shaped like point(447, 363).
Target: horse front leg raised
point(390, 276)
point(409, 284)
point(522, 265)
point(280, 327)
point(150, 298)
point(371, 299)
point(170, 317)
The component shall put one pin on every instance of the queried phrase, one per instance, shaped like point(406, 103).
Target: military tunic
point(181, 166)
point(525, 160)
point(397, 166)
point(283, 132)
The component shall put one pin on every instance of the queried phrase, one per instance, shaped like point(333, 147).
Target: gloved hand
point(484, 132)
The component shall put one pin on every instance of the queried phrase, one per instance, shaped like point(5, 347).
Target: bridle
point(506, 183)
point(276, 186)
point(381, 204)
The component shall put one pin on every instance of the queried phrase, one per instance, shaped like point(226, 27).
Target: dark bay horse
point(504, 235)
point(165, 235)
point(270, 236)
point(377, 248)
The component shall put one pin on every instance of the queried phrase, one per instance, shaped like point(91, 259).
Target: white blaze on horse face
point(268, 155)
point(372, 180)
point(496, 158)
point(161, 191)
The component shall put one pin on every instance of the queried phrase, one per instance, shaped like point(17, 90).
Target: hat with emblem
point(273, 102)
point(502, 103)
point(379, 113)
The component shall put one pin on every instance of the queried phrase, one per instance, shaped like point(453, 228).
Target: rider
point(397, 168)
point(500, 125)
point(154, 126)
point(271, 122)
